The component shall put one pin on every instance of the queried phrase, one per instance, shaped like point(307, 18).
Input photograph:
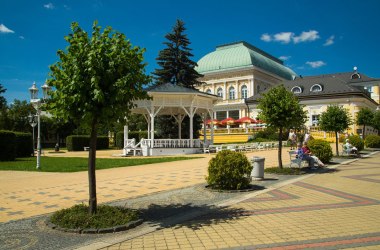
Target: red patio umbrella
point(213, 122)
point(228, 121)
point(246, 119)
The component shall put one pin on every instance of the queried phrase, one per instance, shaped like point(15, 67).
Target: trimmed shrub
point(78, 142)
point(321, 149)
point(372, 141)
point(229, 170)
point(7, 146)
point(24, 144)
point(138, 135)
point(356, 141)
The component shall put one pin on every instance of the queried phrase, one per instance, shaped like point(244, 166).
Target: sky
point(311, 37)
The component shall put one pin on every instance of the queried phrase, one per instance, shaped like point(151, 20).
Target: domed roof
point(240, 55)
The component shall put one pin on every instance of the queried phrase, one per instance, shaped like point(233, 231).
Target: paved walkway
point(27, 194)
point(335, 210)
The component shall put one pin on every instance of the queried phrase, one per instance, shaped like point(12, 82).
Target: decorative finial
point(355, 68)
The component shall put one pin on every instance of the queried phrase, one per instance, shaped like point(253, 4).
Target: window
point(315, 119)
point(355, 76)
point(296, 90)
point(220, 92)
point(208, 91)
point(244, 92)
point(316, 88)
point(232, 93)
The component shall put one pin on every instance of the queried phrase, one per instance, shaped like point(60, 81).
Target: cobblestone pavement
point(334, 210)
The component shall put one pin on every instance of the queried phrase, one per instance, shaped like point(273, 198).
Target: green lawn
point(75, 164)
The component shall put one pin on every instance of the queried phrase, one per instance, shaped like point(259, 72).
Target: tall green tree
point(376, 121)
point(3, 101)
point(335, 119)
point(97, 79)
point(280, 109)
point(175, 64)
point(364, 117)
point(176, 67)
point(17, 115)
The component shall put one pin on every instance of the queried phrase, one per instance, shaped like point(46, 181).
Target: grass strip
point(76, 164)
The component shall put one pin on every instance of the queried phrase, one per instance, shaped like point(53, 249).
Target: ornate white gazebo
point(177, 101)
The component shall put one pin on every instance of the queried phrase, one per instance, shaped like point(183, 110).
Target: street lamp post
point(37, 103)
point(33, 123)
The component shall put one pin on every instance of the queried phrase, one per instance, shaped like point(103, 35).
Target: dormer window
point(296, 90)
point(316, 88)
point(355, 76)
point(208, 91)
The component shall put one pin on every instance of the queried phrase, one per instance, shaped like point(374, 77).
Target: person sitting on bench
point(349, 148)
point(306, 150)
point(305, 157)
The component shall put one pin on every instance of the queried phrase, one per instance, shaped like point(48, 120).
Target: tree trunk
point(280, 148)
point(92, 202)
point(363, 137)
point(336, 143)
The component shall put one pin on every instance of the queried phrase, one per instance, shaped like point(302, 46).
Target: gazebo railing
point(171, 143)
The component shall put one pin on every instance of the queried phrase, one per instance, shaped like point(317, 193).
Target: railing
point(171, 143)
point(233, 130)
point(130, 143)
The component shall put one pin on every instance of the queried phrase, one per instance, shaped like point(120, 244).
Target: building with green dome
point(237, 71)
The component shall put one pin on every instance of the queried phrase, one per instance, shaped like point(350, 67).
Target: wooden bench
point(294, 159)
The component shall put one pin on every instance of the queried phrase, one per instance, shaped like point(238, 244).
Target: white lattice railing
point(129, 143)
point(171, 143)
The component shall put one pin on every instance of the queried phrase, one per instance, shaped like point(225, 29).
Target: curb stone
point(114, 229)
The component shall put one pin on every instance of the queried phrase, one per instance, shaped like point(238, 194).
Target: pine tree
point(176, 67)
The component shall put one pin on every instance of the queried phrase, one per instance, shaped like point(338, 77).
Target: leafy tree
point(364, 117)
point(280, 109)
point(97, 79)
point(175, 64)
point(18, 113)
point(335, 119)
point(376, 121)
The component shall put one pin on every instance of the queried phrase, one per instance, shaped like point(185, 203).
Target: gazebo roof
point(170, 99)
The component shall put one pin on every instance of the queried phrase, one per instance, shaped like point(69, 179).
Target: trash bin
point(258, 168)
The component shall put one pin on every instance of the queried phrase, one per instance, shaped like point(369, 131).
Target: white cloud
point(316, 64)
point(308, 36)
point(329, 41)
point(49, 6)
point(287, 37)
point(4, 29)
point(266, 37)
point(283, 37)
point(284, 58)
point(21, 37)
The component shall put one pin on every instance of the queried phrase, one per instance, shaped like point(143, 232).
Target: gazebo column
point(179, 119)
point(191, 113)
point(204, 128)
point(212, 117)
point(147, 119)
point(125, 138)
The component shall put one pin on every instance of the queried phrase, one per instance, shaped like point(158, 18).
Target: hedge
point(24, 144)
point(356, 141)
point(372, 141)
point(7, 145)
point(138, 135)
point(321, 149)
point(78, 142)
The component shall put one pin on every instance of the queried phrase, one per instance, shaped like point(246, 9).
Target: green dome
point(240, 55)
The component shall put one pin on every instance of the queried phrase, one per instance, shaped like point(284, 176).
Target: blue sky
point(312, 37)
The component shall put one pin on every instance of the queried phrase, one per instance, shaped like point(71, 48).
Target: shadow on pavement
point(203, 215)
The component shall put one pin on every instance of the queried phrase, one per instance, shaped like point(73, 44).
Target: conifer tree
point(174, 61)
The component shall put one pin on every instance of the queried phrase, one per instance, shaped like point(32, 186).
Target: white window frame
point(231, 93)
point(244, 92)
point(316, 85)
point(293, 90)
point(220, 92)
